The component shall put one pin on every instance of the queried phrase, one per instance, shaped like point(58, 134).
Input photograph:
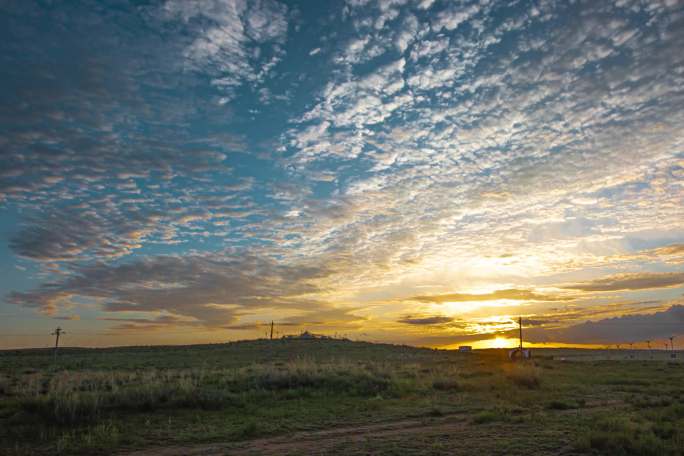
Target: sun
point(500, 342)
point(497, 342)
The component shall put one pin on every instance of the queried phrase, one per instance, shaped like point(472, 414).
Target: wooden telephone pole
point(57, 332)
point(520, 331)
point(271, 329)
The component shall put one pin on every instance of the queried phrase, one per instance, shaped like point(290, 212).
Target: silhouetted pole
point(57, 332)
point(271, 329)
point(520, 328)
point(672, 346)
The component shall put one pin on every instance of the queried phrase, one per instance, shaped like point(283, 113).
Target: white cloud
point(227, 47)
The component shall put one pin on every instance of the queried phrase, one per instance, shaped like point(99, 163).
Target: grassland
point(334, 397)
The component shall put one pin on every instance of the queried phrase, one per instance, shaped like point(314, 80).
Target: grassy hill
point(333, 396)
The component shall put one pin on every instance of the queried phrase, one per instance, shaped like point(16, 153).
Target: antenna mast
point(57, 332)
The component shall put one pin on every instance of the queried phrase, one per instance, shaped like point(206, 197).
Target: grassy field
point(334, 397)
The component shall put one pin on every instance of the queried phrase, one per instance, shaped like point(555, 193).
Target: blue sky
point(409, 171)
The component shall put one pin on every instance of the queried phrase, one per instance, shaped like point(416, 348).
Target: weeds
point(446, 384)
point(490, 416)
point(524, 375)
point(99, 437)
point(561, 405)
point(621, 436)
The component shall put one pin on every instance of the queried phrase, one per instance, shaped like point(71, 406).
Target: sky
point(417, 172)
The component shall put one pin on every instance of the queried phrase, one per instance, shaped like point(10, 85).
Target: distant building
point(306, 335)
point(465, 348)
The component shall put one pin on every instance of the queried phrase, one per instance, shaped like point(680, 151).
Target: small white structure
point(519, 353)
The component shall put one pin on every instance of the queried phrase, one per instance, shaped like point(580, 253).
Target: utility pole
point(57, 332)
point(271, 329)
point(672, 355)
point(520, 330)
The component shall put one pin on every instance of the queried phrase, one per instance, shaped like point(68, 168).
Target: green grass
point(99, 401)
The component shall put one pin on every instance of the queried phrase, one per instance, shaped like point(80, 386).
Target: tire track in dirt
point(325, 441)
point(314, 440)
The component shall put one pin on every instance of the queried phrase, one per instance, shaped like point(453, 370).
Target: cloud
point(68, 317)
point(632, 281)
point(257, 326)
point(185, 162)
point(209, 291)
point(513, 294)
point(625, 329)
point(674, 249)
point(326, 317)
point(225, 49)
point(428, 321)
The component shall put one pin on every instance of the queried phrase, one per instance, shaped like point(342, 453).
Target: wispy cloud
point(513, 294)
point(634, 281)
point(427, 321)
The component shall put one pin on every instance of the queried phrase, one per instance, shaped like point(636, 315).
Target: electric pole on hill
point(271, 329)
point(57, 332)
point(520, 328)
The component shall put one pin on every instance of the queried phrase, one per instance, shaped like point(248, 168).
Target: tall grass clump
point(620, 436)
point(83, 397)
point(524, 375)
point(302, 374)
point(5, 385)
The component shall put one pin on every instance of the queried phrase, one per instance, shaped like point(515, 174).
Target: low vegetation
point(236, 392)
